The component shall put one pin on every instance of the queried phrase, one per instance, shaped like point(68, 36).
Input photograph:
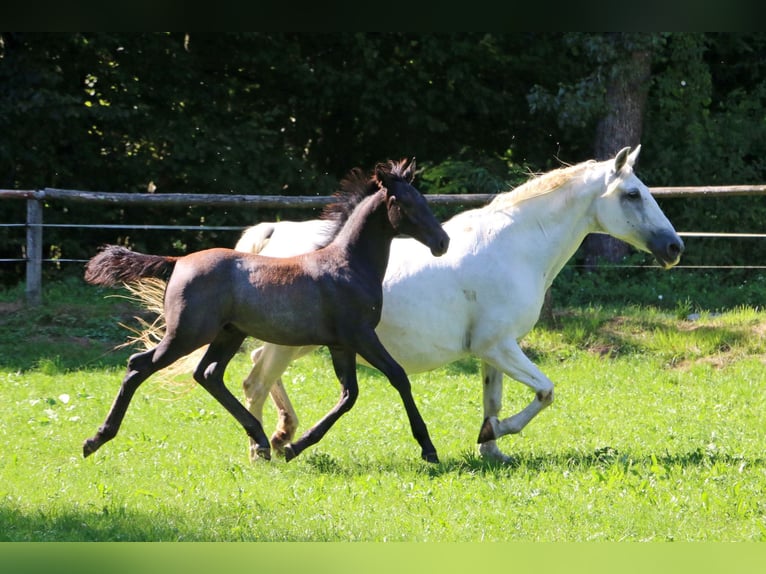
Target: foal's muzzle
point(439, 245)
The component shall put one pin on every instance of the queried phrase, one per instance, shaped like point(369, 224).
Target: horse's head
point(408, 211)
point(627, 211)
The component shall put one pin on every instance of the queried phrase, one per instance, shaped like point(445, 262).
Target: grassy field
point(657, 434)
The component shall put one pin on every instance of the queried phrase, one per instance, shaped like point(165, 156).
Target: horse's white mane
point(540, 184)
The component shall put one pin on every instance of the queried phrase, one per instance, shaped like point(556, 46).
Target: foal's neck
point(367, 234)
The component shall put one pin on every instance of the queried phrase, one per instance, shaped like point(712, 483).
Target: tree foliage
point(290, 113)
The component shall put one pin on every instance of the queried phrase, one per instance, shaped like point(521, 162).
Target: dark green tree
point(290, 113)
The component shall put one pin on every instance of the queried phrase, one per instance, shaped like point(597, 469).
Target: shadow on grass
point(470, 462)
point(64, 356)
point(71, 334)
point(637, 332)
point(84, 526)
point(604, 458)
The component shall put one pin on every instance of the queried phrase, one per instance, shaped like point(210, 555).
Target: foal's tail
point(116, 264)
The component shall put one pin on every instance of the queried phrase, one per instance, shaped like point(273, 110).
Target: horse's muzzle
point(667, 248)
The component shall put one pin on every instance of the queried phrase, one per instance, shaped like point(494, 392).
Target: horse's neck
point(553, 225)
point(366, 236)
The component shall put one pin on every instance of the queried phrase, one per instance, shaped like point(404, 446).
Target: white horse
point(487, 292)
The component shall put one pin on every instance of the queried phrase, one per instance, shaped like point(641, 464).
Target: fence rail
point(34, 224)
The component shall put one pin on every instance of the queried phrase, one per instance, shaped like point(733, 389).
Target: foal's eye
point(403, 203)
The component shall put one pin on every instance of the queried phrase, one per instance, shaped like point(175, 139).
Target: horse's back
point(255, 238)
point(284, 238)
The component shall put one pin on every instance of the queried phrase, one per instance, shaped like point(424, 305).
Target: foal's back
point(298, 300)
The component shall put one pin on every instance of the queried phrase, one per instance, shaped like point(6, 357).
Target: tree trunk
point(621, 126)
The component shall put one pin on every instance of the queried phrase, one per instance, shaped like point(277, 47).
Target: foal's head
point(407, 210)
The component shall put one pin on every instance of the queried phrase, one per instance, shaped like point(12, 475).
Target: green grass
point(657, 433)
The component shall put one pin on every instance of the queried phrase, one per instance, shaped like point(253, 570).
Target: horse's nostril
point(674, 249)
point(440, 247)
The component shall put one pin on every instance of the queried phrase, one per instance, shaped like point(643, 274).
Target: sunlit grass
point(656, 434)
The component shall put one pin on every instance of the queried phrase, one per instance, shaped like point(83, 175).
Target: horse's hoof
point(278, 442)
point(487, 432)
point(289, 453)
point(430, 457)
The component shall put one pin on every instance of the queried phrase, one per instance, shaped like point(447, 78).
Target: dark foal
point(332, 296)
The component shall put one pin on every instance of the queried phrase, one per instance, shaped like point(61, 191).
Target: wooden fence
point(34, 224)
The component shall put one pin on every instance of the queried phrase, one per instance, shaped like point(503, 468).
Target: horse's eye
point(633, 194)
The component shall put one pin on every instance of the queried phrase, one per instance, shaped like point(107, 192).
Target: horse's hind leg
point(344, 362)
point(209, 373)
point(287, 418)
point(140, 367)
point(269, 362)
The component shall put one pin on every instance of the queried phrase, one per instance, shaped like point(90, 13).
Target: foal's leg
point(140, 367)
point(209, 374)
point(373, 351)
point(509, 358)
point(344, 362)
point(492, 381)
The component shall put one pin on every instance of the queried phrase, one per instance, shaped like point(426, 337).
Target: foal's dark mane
point(354, 188)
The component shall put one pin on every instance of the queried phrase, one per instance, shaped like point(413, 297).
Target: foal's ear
point(409, 171)
point(381, 175)
point(393, 207)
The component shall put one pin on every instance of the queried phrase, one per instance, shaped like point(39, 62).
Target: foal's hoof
point(263, 452)
point(430, 457)
point(258, 452)
point(289, 453)
point(487, 431)
point(89, 447)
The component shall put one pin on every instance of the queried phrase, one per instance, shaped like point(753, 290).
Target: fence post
point(34, 291)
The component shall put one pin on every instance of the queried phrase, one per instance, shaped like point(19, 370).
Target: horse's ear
point(633, 157)
point(621, 158)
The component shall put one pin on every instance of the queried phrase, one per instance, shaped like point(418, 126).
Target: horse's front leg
point(372, 350)
point(344, 362)
point(492, 385)
point(510, 359)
